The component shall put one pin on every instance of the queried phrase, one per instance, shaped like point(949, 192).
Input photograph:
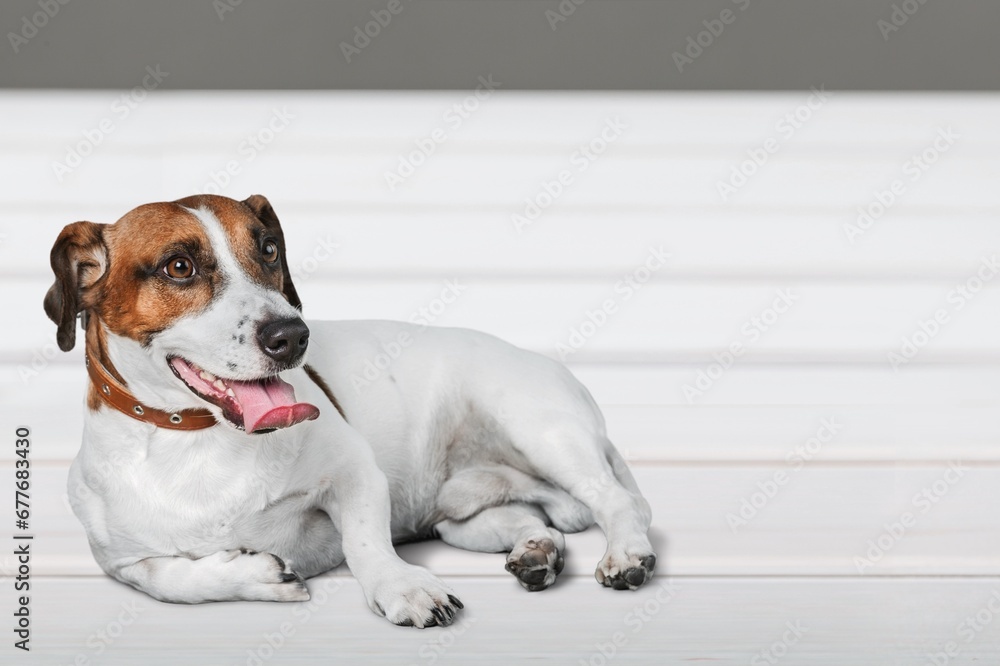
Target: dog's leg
point(469, 491)
point(585, 464)
point(404, 594)
point(231, 575)
point(534, 549)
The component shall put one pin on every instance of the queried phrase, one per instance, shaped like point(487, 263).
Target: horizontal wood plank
point(677, 620)
point(957, 180)
point(207, 119)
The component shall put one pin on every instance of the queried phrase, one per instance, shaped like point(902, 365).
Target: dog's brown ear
point(261, 207)
point(79, 258)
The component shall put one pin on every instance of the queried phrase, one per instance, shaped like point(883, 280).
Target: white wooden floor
point(678, 621)
point(777, 490)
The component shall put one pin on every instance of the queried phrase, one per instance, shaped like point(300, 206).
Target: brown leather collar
point(113, 393)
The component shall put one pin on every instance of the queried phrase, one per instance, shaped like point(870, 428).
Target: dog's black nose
point(284, 340)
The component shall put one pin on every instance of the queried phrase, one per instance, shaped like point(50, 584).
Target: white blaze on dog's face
point(199, 289)
point(222, 335)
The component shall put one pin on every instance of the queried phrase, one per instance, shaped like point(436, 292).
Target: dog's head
point(198, 294)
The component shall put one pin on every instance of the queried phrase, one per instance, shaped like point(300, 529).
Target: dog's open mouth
point(256, 406)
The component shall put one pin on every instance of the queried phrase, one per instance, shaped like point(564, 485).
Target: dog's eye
point(269, 251)
point(179, 268)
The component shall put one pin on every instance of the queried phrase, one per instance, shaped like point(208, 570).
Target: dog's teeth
point(219, 385)
point(207, 376)
point(230, 393)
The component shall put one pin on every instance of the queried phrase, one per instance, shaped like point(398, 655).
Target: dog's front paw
point(625, 571)
point(261, 576)
point(413, 597)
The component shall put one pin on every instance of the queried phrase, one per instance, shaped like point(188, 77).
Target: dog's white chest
point(193, 496)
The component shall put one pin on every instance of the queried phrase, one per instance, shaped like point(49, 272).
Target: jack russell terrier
point(218, 463)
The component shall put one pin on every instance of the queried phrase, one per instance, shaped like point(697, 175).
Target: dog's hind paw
point(625, 572)
point(535, 564)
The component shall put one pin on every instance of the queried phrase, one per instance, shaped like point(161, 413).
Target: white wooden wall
point(697, 459)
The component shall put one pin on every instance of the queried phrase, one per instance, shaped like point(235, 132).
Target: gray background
point(431, 44)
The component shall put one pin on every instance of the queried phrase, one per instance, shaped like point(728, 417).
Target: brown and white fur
point(465, 437)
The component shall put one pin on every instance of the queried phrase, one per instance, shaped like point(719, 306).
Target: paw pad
point(535, 564)
point(638, 572)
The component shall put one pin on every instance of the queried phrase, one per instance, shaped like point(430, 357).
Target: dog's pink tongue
point(270, 404)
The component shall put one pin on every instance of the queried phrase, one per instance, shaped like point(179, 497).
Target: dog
point(227, 455)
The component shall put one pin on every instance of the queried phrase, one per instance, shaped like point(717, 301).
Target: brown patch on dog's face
point(262, 210)
point(257, 245)
point(147, 286)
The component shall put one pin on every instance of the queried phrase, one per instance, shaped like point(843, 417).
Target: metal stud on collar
point(118, 397)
